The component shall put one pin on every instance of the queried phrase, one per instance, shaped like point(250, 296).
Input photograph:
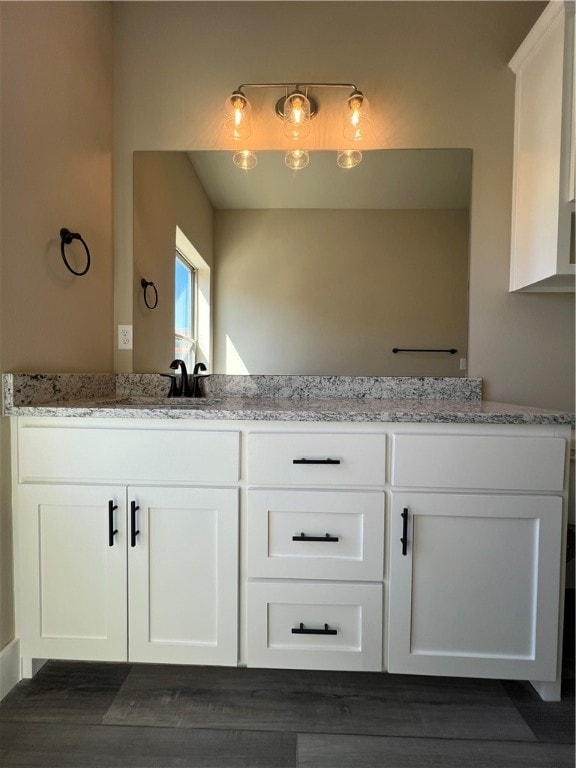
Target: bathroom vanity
point(416, 535)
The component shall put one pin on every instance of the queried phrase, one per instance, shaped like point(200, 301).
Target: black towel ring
point(145, 285)
point(66, 238)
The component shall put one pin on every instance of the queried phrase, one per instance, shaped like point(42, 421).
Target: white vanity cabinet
point(475, 555)
point(144, 572)
point(315, 549)
point(403, 547)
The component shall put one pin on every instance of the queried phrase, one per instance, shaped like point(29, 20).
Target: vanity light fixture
point(296, 112)
point(356, 116)
point(237, 115)
point(296, 108)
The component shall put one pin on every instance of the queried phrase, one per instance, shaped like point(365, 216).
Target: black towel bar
point(412, 349)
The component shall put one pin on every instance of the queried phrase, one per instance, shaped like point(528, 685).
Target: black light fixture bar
point(296, 84)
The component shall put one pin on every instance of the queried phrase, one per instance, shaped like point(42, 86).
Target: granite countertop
point(301, 409)
point(268, 398)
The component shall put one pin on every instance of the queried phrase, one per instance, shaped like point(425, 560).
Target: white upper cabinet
point(542, 244)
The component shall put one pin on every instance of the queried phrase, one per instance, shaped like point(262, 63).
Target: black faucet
point(184, 389)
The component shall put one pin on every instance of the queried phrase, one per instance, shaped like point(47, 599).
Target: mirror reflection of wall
point(321, 271)
point(171, 214)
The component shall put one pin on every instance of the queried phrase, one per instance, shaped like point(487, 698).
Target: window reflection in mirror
point(184, 310)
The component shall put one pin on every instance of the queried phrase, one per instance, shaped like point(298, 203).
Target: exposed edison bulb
point(356, 117)
point(348, 158)
point(246, 159)
point(297, 159)
point(237, 116)
point(297, 115)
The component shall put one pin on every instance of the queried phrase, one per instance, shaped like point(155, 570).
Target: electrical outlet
point(462, 363)
point(124, 337)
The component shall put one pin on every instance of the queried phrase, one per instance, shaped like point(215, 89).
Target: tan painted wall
point(56, 154)
point(338, 304)
point(436, 74)
point(167, 193)
point(56, 158)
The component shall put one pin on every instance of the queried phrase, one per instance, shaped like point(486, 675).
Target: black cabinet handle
point(316, 461)
point(133, 532)
point(304, 537)
point(404, 538)
point(302, 630)
point(111, 530)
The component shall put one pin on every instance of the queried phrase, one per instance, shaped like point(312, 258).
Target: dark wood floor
point(76, 714)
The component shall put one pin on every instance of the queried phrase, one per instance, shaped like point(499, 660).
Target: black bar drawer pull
point(133, 532)
point(111, 530)
point(302, 630)
point(404, 539)
point(304, 537)
point(316, 461)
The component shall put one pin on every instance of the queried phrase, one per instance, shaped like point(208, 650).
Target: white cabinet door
point(474, 585)
point(72, 572)
point(183, 575)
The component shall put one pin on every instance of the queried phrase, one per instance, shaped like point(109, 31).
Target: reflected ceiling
point(388, 179)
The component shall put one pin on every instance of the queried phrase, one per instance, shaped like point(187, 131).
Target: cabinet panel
point(94, 454)
point(313, 459)
point(476, 461)
point(542, 248)
point(476, 592)
point(183, 576)
point(72, 582)
point(283, 526)
point(307, 625)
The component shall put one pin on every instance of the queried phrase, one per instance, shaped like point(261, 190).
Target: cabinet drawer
point(312, 459)
point(484, 462)
point(306, 625)
point(316, 535)
point(127, 455)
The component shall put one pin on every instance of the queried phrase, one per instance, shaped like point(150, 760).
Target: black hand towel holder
point(66, 238)
point(149, 284)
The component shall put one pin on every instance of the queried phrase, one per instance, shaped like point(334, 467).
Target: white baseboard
point(9, 667)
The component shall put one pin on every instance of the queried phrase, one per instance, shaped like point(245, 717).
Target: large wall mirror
point(318, 271)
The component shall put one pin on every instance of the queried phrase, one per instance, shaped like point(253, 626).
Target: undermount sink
point(160, 402)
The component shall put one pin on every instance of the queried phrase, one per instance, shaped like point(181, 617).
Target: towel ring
point(66, 238)
point(145, 285)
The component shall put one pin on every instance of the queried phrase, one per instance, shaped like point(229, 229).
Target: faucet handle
point(196, 376)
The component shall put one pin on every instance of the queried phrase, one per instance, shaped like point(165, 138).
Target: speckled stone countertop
point(267, 398)
point(291, 409)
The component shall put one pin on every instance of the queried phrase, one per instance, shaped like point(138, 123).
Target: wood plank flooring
point(82, 715)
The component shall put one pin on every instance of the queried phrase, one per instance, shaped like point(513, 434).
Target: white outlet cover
point(124, 337)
